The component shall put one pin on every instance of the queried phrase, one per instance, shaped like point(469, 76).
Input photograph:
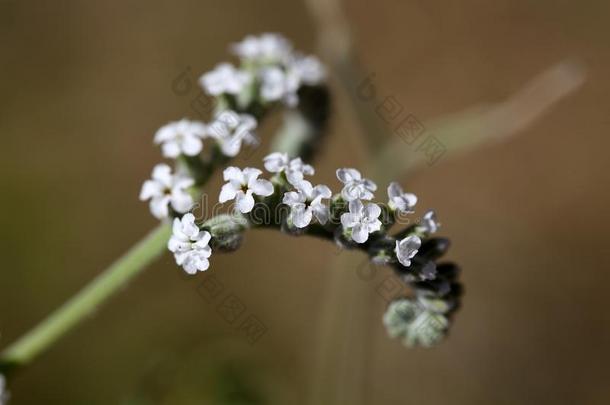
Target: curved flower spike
point(241, 185)
point(190, 245)
point(231, 130)
point(225, 79)
point(165, 189)
point(181, 137)
point(306, 202)
point(399, 200)
point(355, 187)
point(362, 220)
point(406, 249)
point(295, 169)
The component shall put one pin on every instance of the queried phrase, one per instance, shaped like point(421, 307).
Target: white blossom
point(355, 187)
point(306, 202)
point(294, 169)
point(190, 245)
point(242, 185)
point(225, 79)
point(361, 219)
point(231, 130)
point(278, 85)
point(181, 137)
point(166, 189)
point(399, 200)
point(307, 70)
point(429, 224)
point(265, 48)
point(407, 248)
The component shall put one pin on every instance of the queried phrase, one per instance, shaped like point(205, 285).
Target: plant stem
point(87, 300)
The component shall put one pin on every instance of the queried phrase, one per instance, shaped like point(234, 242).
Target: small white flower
point(355, 187)
point(266, 48)
point(295, 169)
point(429, 224)
point(181, 137)
point(190, 245)
point(306, 202)
point(307, 69)
point(407, 248)
point(399, 200)
point(241, 185)
point(362, 220)
point(225, 79)
point(277, 85)
point(165, 189)
point(231, 130)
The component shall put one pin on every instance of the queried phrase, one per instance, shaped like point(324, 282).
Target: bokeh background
point(84, 86)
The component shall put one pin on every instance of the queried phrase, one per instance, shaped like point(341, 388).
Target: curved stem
point(87, 300)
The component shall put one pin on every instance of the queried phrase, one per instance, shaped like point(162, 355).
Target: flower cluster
point(270, 71)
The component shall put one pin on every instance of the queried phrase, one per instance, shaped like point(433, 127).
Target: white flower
point(231, 130)
point(399, 200)
point(295, 169)
point(306, 202)
point(190, 245)
point(429, 224)
point(165, 189)
point(361, 219)
point(307, 69)
point(407, 248)
point(278, 85)
point(181, 137)
point(4, 394)
point(266, 48)
point(225, 78)
point(355, 187)
point(241, 185)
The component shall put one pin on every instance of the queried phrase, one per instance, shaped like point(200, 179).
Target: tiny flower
point(190, 245)
point(306, 202)
point(181, 137)
point(355, 187)
point(165, 189)
point(406, 249)
point(307, 69)
point(361, 219)
point(225, 79)
point(266, 48)
point(399, 200)
point(277, 85)
point(231, 130)
point(429, 224)
point(295, 169)
point(241, 185)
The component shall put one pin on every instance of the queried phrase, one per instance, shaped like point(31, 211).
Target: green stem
point(87, 300)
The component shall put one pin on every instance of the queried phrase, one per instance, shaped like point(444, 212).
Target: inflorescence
point(272, 74)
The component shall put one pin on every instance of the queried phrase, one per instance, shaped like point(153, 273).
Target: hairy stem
point(87, 300)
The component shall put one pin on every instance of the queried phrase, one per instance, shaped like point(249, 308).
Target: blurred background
point(86, 84)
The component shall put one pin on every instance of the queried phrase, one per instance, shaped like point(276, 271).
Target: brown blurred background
point(84, 86)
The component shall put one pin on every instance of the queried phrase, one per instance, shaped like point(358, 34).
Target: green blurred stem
point(87, 300)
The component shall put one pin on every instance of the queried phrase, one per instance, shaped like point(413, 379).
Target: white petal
point(250, 174)
point(244, 201)
point(261, 187)
point(170, 149)
point(181, 201)
point(163, 174)
point(321, 212)
point(372, 211)
point(394, 190)
point(151, 189)
point(227, 192)
point(191, 145)
point(321, 191)
point(230, 146)
point(359, 234)
point(292, 197)
point(275, 162)
point(233, 173)
point(301, 216)
point(347, 175)
point(158, 206)
point(356, 207)
point(349, 220)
